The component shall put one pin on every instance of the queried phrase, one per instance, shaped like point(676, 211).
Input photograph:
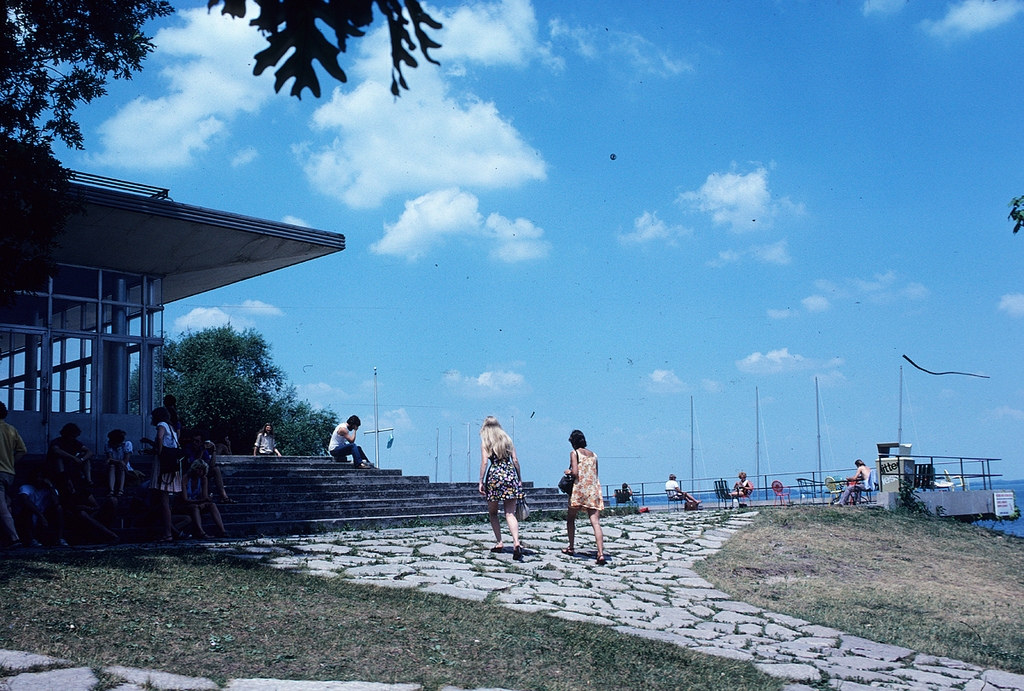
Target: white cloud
point(815, 303)
point(257, 308)
point(973, 16)
point(425, 140)
point(200, 318)
point(712, 386)
point(778, 361)
point(1008, 412)
point(882, 6)
point(244, 157)
point(320, 394)
point(886, 288)
point(517, 240)
point(296, 221)
point(398, 419)
point(781, 314)
point(433, 218)
point(209, 71)
point(725, 258)
point(648, 227)
point(239, 316)
point(915, 291)
point(1012, 304)
point(628, 49)
point(776, 253)
point(743, 202)
point(486, 384)
point(501, 33)
point(665, 381)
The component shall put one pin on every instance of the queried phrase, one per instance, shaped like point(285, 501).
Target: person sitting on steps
point(343, 443)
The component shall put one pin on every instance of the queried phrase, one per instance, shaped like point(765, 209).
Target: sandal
point(569, 550)
point(601, 561)
point(517, 553)
point(228, 500)
point(498, 548)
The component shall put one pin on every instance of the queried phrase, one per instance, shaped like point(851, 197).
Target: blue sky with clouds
point(591, 213)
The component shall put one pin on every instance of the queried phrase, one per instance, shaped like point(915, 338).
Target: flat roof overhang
point(190, 248)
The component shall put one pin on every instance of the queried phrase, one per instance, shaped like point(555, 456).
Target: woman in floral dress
point(586, 493)
point(500, 482)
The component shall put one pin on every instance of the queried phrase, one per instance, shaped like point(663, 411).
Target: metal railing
point(652, 493)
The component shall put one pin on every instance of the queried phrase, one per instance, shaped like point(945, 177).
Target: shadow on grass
point(199, 613)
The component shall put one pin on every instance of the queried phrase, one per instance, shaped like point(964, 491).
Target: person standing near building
point(586, 493)
point(500, 482)
point(12, 448)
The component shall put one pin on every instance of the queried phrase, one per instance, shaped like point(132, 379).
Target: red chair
point(781, 494)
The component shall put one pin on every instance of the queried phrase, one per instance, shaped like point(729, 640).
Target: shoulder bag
point(170, 458)
point(522, 508)
point(566, 482)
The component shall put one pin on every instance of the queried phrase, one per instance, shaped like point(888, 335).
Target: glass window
point(156, 292)
point(72, 280)
point(20, 375)
point(73, 315)
point(119, 287)
point(156, 323)
point(121, 377)
point(71, 378)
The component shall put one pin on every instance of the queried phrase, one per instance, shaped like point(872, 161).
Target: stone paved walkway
point(647, 589)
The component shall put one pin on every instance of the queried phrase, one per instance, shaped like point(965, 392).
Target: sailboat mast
point(757, 433)
point(899, 430)
point(691, 445)
point(817, 419)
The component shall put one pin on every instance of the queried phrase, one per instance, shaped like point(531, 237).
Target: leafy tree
point(54, 55)
point(293, 25)
point(226, 380)
point(1017, 213)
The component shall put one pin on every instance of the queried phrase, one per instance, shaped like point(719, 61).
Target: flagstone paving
point(648, 588)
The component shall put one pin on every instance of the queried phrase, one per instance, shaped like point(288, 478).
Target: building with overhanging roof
point(88, 349)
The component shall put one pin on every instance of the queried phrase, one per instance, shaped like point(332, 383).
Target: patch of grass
point(934, 585)
point(199, 613)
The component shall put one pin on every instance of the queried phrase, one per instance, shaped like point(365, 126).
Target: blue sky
point(591, 213)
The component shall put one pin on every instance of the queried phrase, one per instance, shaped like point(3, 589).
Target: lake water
point(1012, 527)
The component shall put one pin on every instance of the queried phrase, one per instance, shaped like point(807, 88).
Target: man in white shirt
point(343, 443)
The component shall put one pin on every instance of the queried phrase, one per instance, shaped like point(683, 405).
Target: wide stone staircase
point(295, 494)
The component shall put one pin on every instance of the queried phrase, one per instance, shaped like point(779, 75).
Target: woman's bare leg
point(570, 527)
point(510, 518)
point(595, 521)
point(492, 513)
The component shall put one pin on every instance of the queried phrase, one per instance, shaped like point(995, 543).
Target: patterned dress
point(502, 481)
point(586, 491)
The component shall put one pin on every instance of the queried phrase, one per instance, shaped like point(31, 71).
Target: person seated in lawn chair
point(741, 490)
point(675, 493)
point(856, 483)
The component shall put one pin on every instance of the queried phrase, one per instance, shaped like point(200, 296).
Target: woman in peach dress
point(586, 493)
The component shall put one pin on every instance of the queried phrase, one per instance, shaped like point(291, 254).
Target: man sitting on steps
point(343, 443)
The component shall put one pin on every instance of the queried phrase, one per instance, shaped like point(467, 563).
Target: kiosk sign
point(1004, 504)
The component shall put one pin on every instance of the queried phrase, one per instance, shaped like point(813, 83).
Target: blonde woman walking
point(500, 482)
point(586, 493)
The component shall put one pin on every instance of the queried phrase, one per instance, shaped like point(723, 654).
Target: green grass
point(936, 586)
point(204, 614)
